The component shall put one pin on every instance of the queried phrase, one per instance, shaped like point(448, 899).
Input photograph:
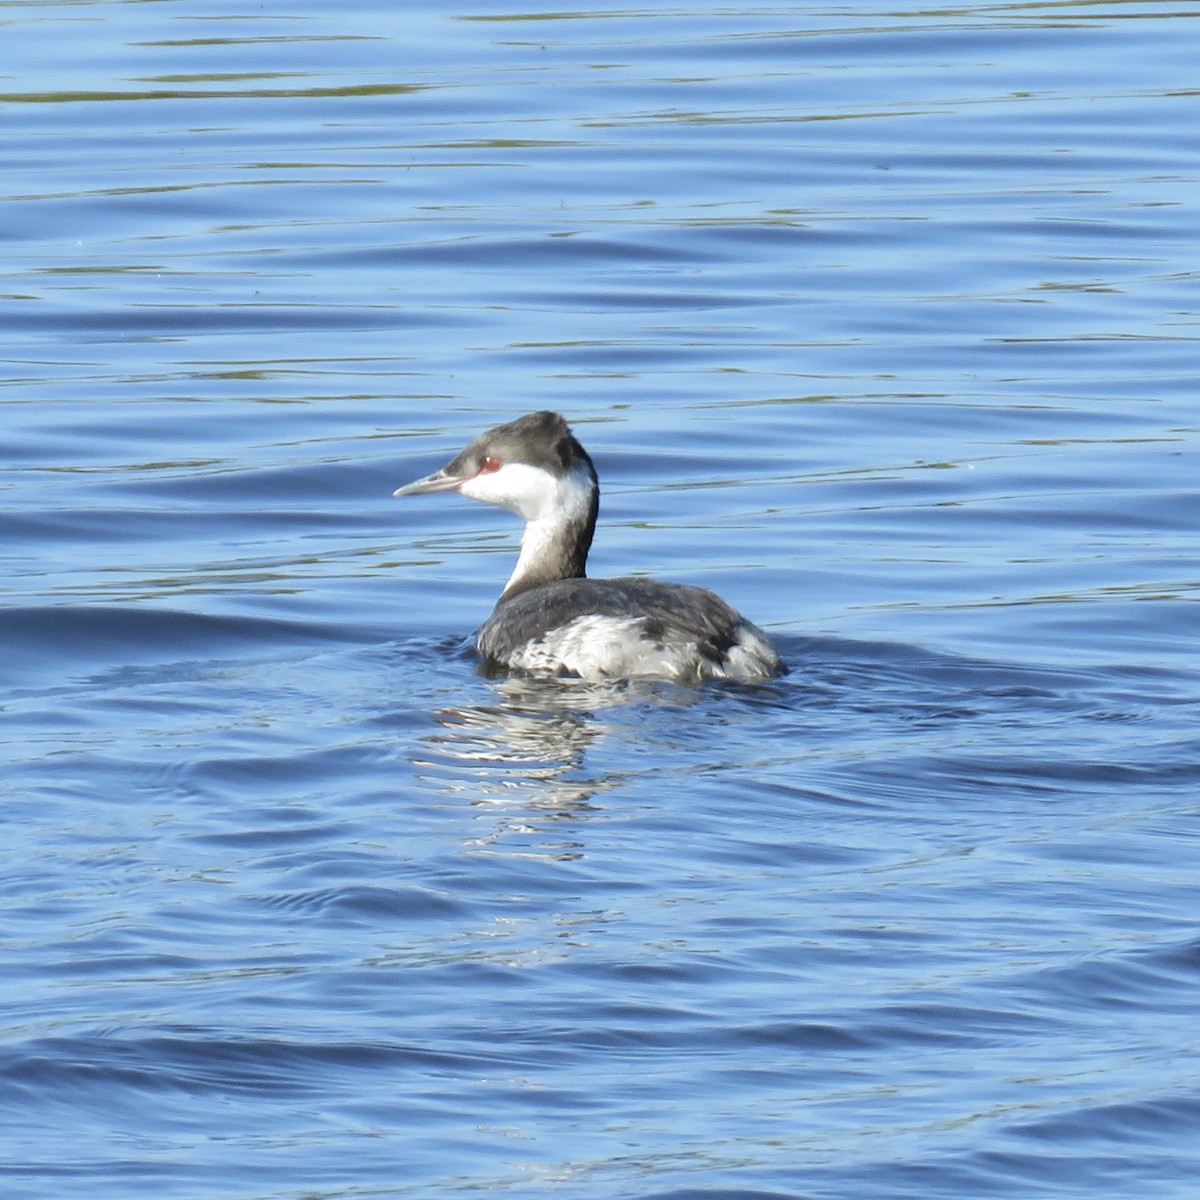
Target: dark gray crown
point(540, 439)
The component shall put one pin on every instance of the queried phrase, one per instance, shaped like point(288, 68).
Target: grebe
point(550, 619)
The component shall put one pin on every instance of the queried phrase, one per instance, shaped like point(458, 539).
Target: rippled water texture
point(883, 323)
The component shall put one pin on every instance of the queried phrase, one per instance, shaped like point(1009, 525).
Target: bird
point(551, 619)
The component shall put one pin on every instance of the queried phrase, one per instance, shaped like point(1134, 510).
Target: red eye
point(488, 464)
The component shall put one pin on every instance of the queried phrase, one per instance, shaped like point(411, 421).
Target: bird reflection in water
point(528, 750)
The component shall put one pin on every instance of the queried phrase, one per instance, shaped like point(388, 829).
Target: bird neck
point(555, 543)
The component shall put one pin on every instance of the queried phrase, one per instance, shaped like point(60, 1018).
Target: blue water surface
point(883, 323)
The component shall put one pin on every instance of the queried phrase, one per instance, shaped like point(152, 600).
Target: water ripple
point(882, 325)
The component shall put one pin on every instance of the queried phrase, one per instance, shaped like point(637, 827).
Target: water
point(882, 323)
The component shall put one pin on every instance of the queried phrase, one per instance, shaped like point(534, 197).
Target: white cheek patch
point(527, 491)
point(533, 493)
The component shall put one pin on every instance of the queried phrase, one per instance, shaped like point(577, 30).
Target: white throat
point(554, 508)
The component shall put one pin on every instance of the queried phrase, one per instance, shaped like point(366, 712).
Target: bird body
point(551, 618)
